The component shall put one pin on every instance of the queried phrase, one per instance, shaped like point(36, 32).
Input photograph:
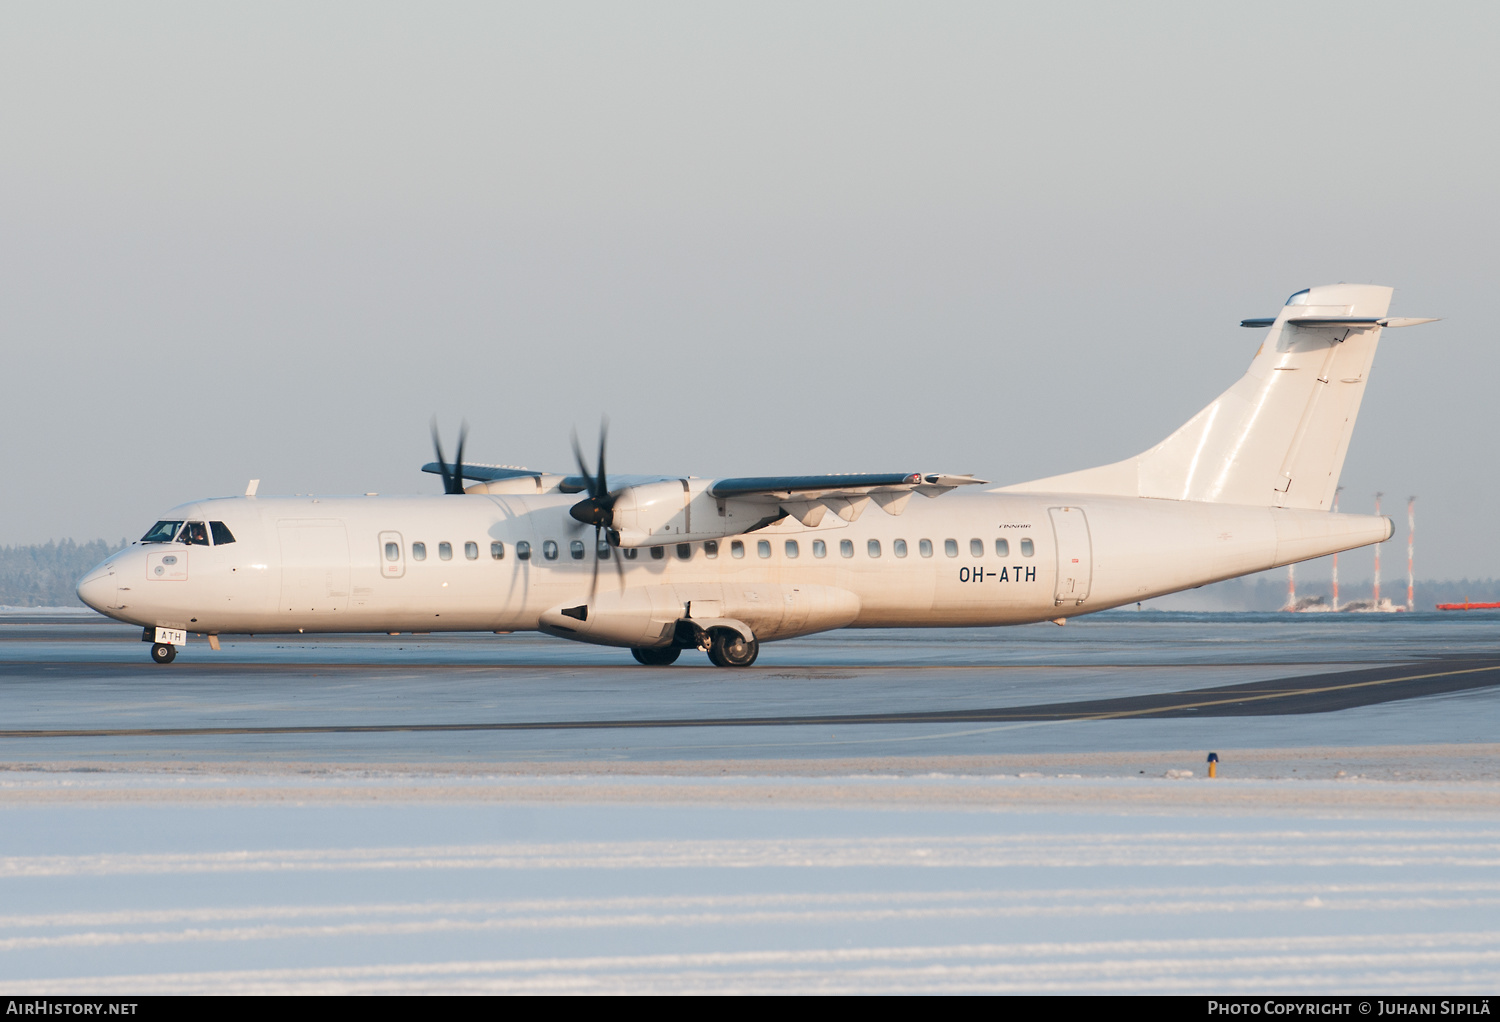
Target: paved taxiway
point(79, 690)
point(998, 810)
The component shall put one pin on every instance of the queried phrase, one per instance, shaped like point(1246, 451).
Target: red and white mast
point(1411, 538)
point(1377, 555)
point(1336, 493)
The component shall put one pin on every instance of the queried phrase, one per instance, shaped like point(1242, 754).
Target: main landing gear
point(726, 648)
point(731, 649)
point(163, 653)
point(660, 656)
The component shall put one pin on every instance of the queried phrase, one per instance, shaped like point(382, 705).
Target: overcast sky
point(272, 240)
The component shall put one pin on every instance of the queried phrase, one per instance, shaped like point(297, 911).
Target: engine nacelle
point(682, 511)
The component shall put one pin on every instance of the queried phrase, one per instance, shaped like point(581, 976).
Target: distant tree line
point(1267, 591)
point(46, 575)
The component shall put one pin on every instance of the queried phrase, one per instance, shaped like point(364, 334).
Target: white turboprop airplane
point(723, 565)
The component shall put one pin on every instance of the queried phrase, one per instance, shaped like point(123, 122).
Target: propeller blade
point(583, 468)
point(594, 585)
point(597, 509)
point(437, 444)
point(603, 478)
point(458, 464)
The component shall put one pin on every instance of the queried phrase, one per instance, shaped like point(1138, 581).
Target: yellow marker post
point(1213, 764)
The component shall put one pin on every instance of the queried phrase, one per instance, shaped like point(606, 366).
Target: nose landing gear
point(163, 653)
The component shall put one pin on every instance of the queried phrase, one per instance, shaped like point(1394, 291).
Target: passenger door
point(1075, 555)
point(392, 566)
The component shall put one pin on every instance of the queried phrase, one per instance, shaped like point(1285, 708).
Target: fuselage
point(503, 563)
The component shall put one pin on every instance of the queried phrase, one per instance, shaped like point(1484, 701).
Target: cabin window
point(820, 549)
point(471, 551)
point(846, 548)
point(419, 551)
point(162, 532)
point(523, 551)
point(792, 549)
point(445, 551)
point(549, 549)
point(684, 551)
point(658, 552)
point(950, 547)
point(898, 547)
point(194, 534)
point(497, 550)
point(1026, 547)
point(924, 547)
point(711, 548)
point(976, 548)
point(575, 549)
point(736, 549)
point(873, 548)
point(1002, 548)
point(393, 551)
point(763, 547)
point(221, 533)
point(631, 553)
point(601, 549)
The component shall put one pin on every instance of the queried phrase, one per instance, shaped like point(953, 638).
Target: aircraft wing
point(806, 498)
point(853, 484)
point(486, 473)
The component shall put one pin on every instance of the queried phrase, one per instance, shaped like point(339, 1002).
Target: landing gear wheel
point(163, 653)
point(659, 656)
point(730, 649)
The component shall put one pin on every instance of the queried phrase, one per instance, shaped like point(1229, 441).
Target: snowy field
point(1354, 851)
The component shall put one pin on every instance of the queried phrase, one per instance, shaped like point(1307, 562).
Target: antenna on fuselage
point(252, 487)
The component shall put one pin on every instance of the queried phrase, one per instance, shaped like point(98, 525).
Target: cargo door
point(314, 566)
point(1075, 555)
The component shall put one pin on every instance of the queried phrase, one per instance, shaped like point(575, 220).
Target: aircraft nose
point(97, 588)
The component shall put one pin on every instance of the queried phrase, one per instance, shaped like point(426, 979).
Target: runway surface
point(1009, 810)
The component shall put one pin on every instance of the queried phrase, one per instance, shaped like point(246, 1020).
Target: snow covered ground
point(329, 881)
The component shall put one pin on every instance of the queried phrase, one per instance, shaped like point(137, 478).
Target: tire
point(730, 649)
point(163, 653)
point(659, 656)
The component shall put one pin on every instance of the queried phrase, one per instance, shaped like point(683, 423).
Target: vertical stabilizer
point(1277, 437)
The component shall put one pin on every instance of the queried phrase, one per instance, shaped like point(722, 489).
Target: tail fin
point(1278, 436)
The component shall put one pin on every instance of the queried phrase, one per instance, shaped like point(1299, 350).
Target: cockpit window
point(162, 532)
point(194, 534)
point(221, 533)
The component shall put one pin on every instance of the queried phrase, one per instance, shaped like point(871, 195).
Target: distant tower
point(1291, 587)
point(1411, 538)
point(1377, 555)
point(1336, 493)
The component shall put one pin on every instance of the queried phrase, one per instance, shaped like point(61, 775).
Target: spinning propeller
point(597, 509)
point(453, 480)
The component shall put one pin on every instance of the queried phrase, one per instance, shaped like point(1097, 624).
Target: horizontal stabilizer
point(1340, 321)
